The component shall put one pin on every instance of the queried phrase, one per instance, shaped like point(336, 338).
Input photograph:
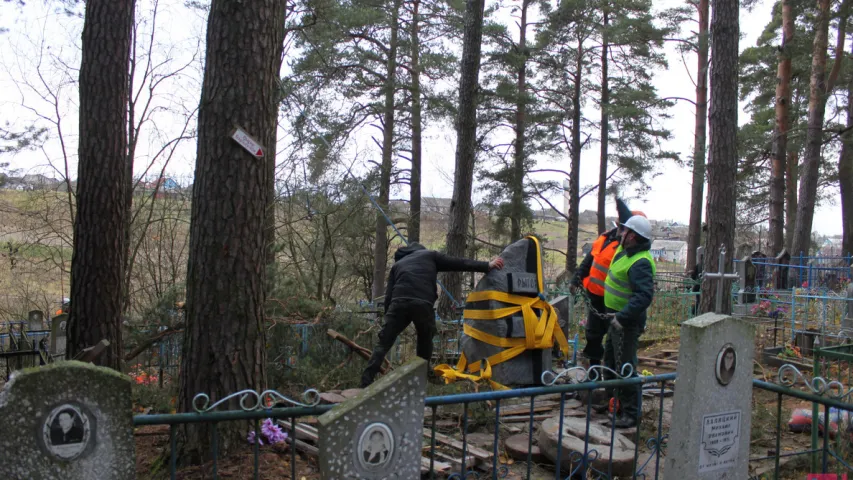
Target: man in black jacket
point(410, 296)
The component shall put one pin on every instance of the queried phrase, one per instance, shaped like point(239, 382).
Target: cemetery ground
point(339, 381)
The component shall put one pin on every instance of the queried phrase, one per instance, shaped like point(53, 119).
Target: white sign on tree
point(246, 141)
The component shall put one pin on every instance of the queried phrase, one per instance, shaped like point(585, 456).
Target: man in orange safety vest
point(591, 275)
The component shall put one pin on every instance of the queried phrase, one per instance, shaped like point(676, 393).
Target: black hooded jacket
point(415, 273)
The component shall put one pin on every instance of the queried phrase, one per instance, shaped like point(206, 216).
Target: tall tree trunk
point(466, 140)
point(575, 172)
point(814, 135)
point(224, 341)
point(694, 232)
point(792, 175)
point(845, 177)
point(605, 126)
point(415, 180)
point(132, 141)
point(520, 117)
point(380, 254)
point(722, 171)
point(780, 145)
point(97, 265)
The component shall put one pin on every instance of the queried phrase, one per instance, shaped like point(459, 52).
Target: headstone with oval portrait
point(377, 434)
point(68, 421)
point(58, 335)
point(711, 416)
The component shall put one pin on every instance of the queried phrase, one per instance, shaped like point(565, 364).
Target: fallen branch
point(363, 352)
point(152, 340)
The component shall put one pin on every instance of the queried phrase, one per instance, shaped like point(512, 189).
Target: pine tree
point(100, 248)
point(722, 171)
point(466, 139)
point(224, 343)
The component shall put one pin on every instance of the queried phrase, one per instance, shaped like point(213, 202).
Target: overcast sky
point(669, 198)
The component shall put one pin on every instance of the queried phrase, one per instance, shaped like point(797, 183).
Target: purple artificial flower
point(251, 438)
point(272, 432)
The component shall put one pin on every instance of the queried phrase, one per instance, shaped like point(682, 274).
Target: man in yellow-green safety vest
point(628, 292)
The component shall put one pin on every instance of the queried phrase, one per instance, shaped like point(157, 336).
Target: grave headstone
point(780, 277)
point(35, 320)
point(377, 434)
point(711, 418)
point(518, 277)
point(746, 281)
point(58, 334)
point(562, 305)
point(67, 421)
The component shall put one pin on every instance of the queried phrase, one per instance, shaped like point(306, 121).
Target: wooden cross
point(720, 276)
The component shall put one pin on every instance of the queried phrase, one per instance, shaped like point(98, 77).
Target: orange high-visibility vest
point(602, 255)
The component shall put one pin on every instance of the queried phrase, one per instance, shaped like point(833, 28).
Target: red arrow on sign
point(247, 142)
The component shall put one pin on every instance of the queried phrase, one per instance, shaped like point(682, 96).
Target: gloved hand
point(614, 322)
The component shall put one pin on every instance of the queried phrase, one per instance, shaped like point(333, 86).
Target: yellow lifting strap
point(539, 331)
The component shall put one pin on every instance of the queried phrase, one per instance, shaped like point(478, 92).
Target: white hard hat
point(639, 225)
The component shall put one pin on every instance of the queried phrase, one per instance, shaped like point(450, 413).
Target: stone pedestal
point(712, 409)
point(67, 421)
point(377, 434)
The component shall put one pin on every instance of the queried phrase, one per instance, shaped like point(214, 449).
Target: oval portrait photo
point(376, 446)
point(66, 432)
point(726, 364)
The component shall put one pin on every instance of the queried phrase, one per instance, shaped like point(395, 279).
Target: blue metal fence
point(584, 463)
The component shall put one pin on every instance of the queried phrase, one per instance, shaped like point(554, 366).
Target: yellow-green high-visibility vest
point(617, 286)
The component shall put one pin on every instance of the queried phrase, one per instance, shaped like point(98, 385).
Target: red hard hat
point(637, 212)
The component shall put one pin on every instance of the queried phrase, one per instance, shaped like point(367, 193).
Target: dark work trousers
point(596, 328)
point(618, 353)
point(400, 314)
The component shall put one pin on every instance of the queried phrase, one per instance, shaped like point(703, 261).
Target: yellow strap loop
point(539, 331)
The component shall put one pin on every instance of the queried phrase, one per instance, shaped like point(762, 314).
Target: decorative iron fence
point(830, 455)
point(568, 463)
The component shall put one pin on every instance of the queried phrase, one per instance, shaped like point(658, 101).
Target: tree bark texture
point(694, 231)
point(520, 138)
point(100, 246)
point(224, 343)
point(466, 154)
point(780, 144)
point(845, 177)
point(722, 171)
point(380, 253)
point(792, 175)
point(605, 127)
point(814, 135)
point(415, 179)
point(575, 171)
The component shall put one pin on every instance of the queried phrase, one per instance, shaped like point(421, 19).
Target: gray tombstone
point(67, 421)
point(35, 320)
point(711, 417)
point(518, 277)
point(746, 280)
point(781, 274)
point(562, 305)
point(377, 434)
point(58, 334)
